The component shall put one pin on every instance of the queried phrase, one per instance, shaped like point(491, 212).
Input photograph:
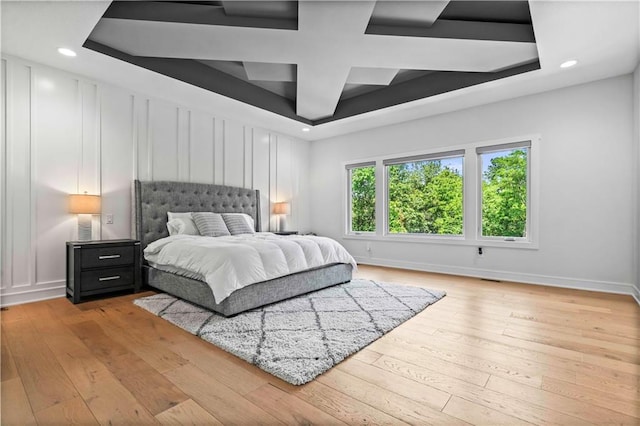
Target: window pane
point(363, 199)
point(425, 197)
point(504, 193)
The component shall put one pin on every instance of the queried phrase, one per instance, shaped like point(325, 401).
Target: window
point(425, 194)
point(480, 194)
point(362, 197)
point(504, 190)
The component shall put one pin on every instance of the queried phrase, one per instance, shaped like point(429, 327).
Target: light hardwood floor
point(488, 353)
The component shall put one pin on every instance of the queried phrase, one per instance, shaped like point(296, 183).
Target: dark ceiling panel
point(467, 30)
point(514, 12)
point(262, 9)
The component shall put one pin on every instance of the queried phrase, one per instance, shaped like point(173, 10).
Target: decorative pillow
point(182, 226)
point(188, 228)
point(249, 219)
point(237, 224)
point(210, 224)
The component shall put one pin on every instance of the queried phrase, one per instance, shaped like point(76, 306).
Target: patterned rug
point(301, 338)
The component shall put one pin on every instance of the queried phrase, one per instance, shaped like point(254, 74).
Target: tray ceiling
point(321, 61)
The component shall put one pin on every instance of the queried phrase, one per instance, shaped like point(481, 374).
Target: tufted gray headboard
point(154, 199)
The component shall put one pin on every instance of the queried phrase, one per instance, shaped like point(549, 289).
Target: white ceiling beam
point(418, 13)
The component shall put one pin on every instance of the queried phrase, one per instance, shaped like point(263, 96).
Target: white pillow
point(184, 226)
point(188, 225)
point(246, 217)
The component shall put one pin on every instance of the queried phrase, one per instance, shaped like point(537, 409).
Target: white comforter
point(230, 263)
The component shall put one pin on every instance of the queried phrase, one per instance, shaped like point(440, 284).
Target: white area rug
point(300, 338)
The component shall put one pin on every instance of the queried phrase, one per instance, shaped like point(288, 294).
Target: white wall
point(65, 134)
point(587, 221)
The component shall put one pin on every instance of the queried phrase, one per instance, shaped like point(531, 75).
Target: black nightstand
point(104, 266)
point(286, 232)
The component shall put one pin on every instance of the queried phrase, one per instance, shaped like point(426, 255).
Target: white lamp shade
point(281, 208)
point(84, 204)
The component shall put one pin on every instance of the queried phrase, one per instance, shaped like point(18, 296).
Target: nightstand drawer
point(108, 256)
point(107, 279)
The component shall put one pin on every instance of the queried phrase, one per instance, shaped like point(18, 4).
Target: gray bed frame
point(153, 199)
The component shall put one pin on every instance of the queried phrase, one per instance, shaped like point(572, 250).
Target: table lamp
point(282, 209)
point(84, 206)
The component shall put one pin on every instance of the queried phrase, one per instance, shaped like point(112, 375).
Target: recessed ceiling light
point(568, 64)
point(66, 52)
point(306, 129)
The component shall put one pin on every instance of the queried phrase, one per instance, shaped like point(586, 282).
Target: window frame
point(349, 198)
point(497, 148)
point(440, 155)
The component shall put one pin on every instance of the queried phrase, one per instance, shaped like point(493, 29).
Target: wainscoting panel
point(17, 233)
point(64, 133)
point(58, 165)
point(163, 126)
point(261, 177)
point(3, 176)
point(118, 157)
point(233, 153)
point(202, 148)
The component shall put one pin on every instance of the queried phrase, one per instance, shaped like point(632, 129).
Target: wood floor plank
point(213, 396)
point(146, 384)
point(580, 344)
point(613, 385)
point(477, 414)
point(226, 368)
point(513, 368)
point(44, 380)
point(366, 355)
point(543, 354)
point(13, 313)
point(405, 387)
point(70, 412)
point(553, 401)
point(391, 403)
point(289, 409)
point(342, 406)
point(107, 398)
point(8, 369)
point(408, 352)
point(496, 400)
point(187, 413)
point(16, 409)
point(619, 402)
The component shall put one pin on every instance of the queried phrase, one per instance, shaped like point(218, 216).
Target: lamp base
point(283, 223)
point(84, 227)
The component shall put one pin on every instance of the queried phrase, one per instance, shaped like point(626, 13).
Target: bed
point(152, 201)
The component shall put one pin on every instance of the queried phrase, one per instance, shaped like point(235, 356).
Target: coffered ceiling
point(603, 35)
point(321, 61)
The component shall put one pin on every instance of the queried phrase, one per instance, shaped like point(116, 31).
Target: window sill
point(446, 240)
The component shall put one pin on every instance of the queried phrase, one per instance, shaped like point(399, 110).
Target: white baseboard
point(574, 283)
point(34, 295)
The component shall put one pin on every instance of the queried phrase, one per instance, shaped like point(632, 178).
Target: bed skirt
point(252, 296)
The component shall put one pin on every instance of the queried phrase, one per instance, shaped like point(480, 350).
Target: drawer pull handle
point(109, 256)
point(115, 277)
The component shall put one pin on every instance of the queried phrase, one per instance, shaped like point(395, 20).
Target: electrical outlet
point(368, 247)
point(109, 219)
point(480, 251)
